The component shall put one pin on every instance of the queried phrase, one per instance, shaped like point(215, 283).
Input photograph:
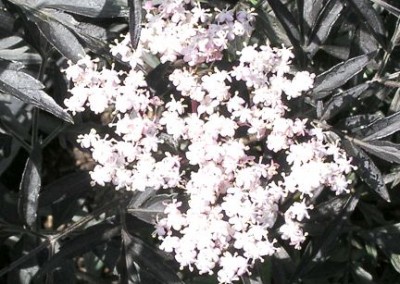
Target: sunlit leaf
point(385, 150)
point(95, 37)
point(149, 210)
point(311, 11)
point(88, 8)
point(339, 74)
point(395, 261)
point(365, 41)
point(135, 20)
point(342, 100)
point(59, 36)
point(361, 275)
point(367, 169)
point(29, 188)
point(390, 8)
point(371, 18)
point(326, 20)
point(271, 28)
point(288, 22)
point(356, 123)
point(383, 127)
point(10, 41)
point(28, 89)
point(340, 52)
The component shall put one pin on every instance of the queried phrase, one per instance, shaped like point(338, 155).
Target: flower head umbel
point(234, 154)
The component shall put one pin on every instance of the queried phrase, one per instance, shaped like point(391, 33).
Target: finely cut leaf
point(365, 41)
point(367, 170)
point(140, 197)
point(288, 22)
point(272, 28)
point(152, 208)
point(135, 19)
point(95, 37)
point(390, 8)
point(339, 74)
point(393, 177)
point(343, 100)
point(395, 103)
point(395, 40)
point(29, 188)
point(341, 52)
point(370, 17)
point(21, 56)
point(327, 19)
point(383, 149)
point(92, 8)
point(383, 127)
point(28, 89)
point(311, 11)
point(356, 123)
point(9, 41)
point(60, 37)
point(88, 8)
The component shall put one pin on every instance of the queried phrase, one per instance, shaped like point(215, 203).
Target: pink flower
point(220, 149)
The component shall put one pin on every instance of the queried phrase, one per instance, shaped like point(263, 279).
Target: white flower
point(101, 175)
point(77, 101)
point(302, 81)
point(174, 125)
point(232, 266)
point(175, 106)
point(98, 100)
point(89, 139)
point(293, 232)
point(298, 211)
point(233, 183)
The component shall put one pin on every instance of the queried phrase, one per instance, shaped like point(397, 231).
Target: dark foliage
point(55, 228)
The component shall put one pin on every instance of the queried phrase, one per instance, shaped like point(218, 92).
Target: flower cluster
point(183, 29)
point(235, 156)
